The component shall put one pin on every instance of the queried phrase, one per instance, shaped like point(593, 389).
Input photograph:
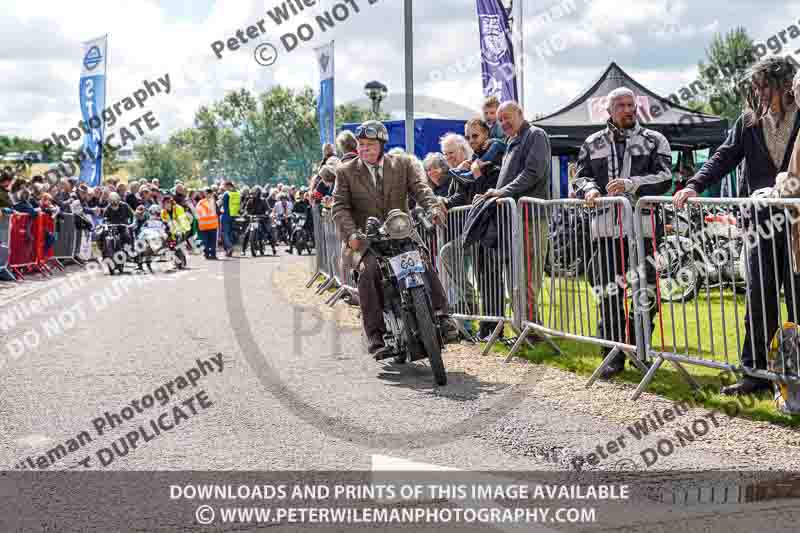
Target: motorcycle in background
point(257, 238)
point(702, 248)
point(301, 239)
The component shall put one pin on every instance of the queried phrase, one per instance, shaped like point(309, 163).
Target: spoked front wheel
point(427, 334)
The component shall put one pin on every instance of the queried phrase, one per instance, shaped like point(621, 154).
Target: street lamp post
point(376, 91)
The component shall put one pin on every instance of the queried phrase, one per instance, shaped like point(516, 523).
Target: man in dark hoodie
point(763, 137)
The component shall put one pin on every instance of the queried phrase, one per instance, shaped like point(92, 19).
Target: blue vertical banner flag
point(326, 106)
point(497, 52)
point(93, 101)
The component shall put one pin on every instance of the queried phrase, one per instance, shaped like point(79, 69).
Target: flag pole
point(520, 53)
point(102, 123)
point(409, 74)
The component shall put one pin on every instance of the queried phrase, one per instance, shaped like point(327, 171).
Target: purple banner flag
point(497, 52)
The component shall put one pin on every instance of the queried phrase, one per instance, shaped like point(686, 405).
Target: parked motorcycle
point(701, 249)
point(110, 237)
point(301, 239)
point(413, 331)
point(569, 250)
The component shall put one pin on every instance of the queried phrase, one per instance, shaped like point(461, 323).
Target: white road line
point(385, 463)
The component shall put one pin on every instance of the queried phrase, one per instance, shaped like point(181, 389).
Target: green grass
point(686, 330)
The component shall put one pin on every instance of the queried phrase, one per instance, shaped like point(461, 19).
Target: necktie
point(379, 179)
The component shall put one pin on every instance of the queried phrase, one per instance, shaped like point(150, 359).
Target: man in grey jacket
point(525, 172)
point(526, 165)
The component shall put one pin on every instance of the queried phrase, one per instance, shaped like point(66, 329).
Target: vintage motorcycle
point(570, 248)
point(300, 239)
point(255, 228)
point(702, 248)
point(110, 236)
point(280, 229)
point(414, 332)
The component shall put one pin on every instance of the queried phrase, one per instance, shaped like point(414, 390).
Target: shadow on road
point(419, 377)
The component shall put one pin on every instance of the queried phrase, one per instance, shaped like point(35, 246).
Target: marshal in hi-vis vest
point(234, 203)
point(206, 217)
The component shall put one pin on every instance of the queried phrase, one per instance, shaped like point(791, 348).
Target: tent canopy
point(427, 132)
point(685, 129)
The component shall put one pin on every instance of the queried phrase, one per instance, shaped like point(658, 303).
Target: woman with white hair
point(437, 170)
point(456, 150)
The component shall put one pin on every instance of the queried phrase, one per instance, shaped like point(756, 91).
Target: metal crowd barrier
point(481, 280)
point(83, 246)
point(655, 284)
point(331, 252)
point(64, 249)
point(574, 261)
point(431, 241)
point(5, 242)
point(342, 263)
point(728, 276)
point(23, 246)
point(320, 251)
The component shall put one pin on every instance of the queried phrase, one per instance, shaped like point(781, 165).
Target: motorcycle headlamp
point(398, 225)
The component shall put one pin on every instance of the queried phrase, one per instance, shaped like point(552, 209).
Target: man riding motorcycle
point(280, 213)
point(118, 212)
point(257, 205)
point(303, 207)
point(370, 186)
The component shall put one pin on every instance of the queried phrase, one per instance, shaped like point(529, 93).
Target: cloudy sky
point(657, 41)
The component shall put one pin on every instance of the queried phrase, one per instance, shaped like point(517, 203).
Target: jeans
point(227, 232)
point(209, 239)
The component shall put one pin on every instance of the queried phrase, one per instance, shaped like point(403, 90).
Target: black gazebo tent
point(685, 129)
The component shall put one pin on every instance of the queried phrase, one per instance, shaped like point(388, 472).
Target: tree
point(165, 162)
point(351, 114)
point(699, 105)
point(110, 162)
point(261, 138)
point(729, 56)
